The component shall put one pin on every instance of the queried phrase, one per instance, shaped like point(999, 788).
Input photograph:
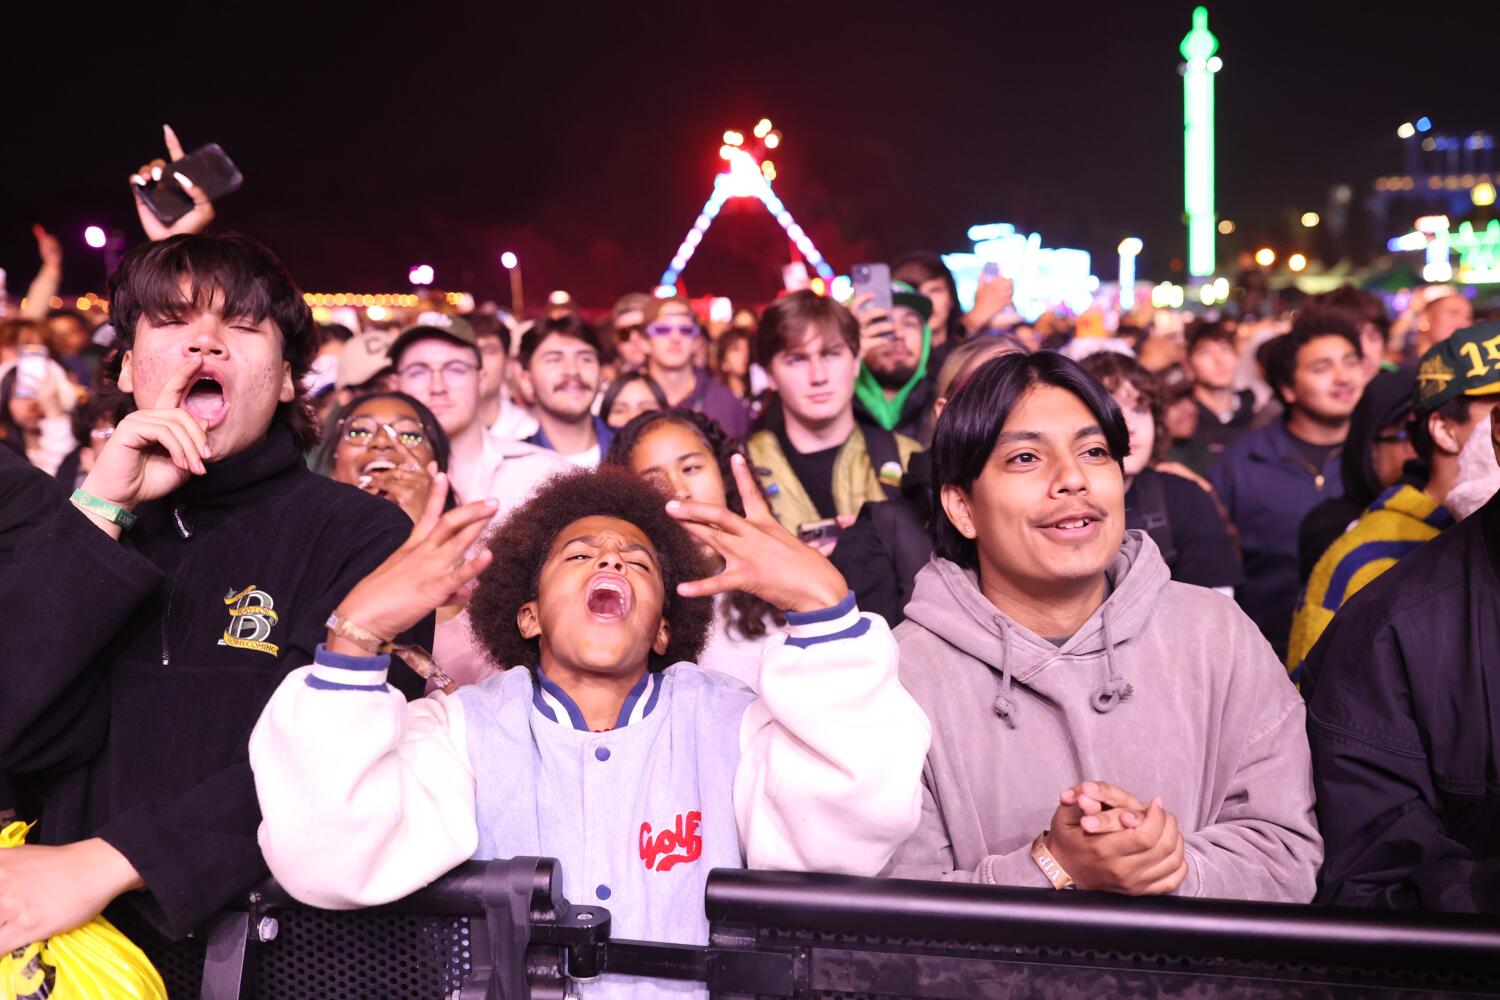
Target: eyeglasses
point(408, 433)
point(626, 332)
point(1395, 437)
point(422, 374)
point(689, 330)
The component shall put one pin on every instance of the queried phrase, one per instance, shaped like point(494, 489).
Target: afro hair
point(522, 543)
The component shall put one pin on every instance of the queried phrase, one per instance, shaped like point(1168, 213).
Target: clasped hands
point(1106, 838)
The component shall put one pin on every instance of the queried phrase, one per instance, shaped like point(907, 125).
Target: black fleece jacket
point(134, 670)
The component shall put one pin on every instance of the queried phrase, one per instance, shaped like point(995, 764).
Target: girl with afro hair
point(688, 456)
point(604, 745)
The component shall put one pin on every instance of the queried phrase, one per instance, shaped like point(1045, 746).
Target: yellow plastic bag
point(93, 962)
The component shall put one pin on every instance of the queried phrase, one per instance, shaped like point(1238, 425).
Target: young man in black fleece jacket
point(139, 655)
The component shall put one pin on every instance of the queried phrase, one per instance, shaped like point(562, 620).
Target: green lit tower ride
point(1198, 49)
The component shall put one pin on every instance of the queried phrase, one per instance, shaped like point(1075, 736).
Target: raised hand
point(48, 248)
point(202, 212)
point(990, 300)
point(152, 452)
point(875, 324)
point(433, 568)
point(760, 556)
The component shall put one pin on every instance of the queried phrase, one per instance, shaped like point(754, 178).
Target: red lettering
point(661, 853)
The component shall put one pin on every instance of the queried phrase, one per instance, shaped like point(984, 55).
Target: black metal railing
point(501, 930)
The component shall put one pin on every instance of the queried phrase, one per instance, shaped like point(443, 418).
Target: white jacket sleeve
point(830, 774)
point(364, 797)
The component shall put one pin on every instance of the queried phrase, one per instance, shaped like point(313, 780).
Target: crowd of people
point(919, 592)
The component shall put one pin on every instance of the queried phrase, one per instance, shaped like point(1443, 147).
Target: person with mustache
point(560, 363)
point(1096, 724)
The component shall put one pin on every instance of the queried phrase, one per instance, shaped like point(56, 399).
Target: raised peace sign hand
point(197, 218)
point(760, 556)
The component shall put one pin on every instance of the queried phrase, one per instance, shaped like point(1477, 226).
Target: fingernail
point(737, 458)
point(491, 503)
point(137, 180)
point(182, 179)
point(673, 504)
point(1129, 816)
point(156, 173)
point(1090, 823)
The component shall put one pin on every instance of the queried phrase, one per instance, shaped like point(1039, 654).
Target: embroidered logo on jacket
point(250, 621)
point(672, 847)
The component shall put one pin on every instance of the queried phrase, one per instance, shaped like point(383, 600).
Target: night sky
point(586, 139)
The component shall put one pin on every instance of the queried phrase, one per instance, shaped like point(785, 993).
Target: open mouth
point(375, 465)
point(1073, 526)
point(205, 400)
point(608, 597)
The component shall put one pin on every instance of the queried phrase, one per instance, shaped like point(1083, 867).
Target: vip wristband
point(91, 504)
point(413, 656)
point(1055, 872)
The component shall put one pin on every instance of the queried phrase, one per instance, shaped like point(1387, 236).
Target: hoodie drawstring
point(1116, 689)
point(1005, 705)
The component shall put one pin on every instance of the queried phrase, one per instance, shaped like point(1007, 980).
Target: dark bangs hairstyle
point(181, 276)
point(323, 458)
point(747, 613)
point(522, 543)
point(966, 433)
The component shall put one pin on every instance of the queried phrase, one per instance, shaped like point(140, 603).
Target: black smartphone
point(875, 279)
point(819, 531)
point(209, 168)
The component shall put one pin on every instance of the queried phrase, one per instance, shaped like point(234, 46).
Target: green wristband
point(115, 515)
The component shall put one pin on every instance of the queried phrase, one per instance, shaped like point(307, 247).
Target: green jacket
point(854, 477)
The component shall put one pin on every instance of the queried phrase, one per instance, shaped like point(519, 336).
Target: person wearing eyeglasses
point(391, 446)
point(672, 335)
point(437, 362)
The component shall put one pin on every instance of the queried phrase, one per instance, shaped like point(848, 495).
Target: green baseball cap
point(903, 294)
point(1466, 364)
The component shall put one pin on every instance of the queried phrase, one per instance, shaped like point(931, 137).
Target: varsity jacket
point(133, 670)
point(367, 798)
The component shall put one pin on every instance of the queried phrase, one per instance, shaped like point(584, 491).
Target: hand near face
point(152, 452)
point(760, 556)
point(1106, 838)
point(408, 488)
point(432, 569)
point(876, 326)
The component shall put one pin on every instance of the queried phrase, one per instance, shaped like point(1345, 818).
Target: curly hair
point(747, 613)
point(522, 543)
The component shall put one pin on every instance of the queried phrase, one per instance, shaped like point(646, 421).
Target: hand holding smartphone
point(31, 371)
point(177, 195)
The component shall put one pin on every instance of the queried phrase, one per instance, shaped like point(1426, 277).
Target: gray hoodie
point(1168, 689)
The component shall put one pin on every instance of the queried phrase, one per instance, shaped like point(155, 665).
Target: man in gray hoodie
point(1095, 724)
